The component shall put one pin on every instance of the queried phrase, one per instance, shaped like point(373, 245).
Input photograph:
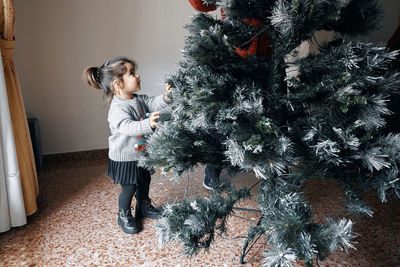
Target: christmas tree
point(238, 109)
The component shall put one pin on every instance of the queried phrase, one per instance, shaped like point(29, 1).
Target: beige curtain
point(12, 210)
point(23, 145)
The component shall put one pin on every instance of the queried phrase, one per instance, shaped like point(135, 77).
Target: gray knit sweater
point(128, 119)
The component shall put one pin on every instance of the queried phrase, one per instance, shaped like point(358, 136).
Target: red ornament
point(200, 6)
point(259, 45)
point(140, 147)
point(223, 15)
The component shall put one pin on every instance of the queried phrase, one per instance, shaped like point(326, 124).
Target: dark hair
point(102, 77)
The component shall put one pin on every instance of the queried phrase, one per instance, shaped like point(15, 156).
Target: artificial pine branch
point(195, 222)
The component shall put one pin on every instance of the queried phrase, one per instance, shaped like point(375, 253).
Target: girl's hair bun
point(92, 76)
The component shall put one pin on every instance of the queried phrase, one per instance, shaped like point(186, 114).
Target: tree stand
point(250, 239)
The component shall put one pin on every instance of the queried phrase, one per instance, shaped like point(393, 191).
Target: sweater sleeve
point(121, 121)
point(154, 103)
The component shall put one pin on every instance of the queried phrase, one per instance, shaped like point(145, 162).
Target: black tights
point(125, 198)
point(128, 190)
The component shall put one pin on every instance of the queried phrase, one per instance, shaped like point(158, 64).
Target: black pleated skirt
point(126, 172)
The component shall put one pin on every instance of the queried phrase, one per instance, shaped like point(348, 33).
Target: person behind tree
point(211, 176)
point(211, 172)
point(131, 117)
point(260, 46)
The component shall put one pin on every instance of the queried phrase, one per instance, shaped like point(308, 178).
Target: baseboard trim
point(78, 155)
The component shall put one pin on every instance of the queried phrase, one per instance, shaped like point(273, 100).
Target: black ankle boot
point(145, 209)
point(127, 222)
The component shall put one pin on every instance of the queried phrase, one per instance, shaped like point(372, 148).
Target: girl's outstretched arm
point(155, 103)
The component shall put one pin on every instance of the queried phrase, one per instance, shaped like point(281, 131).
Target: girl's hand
point(154, 119)
point(168, 88)
point(168, 91)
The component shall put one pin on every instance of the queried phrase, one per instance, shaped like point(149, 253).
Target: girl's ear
point(114, 85)
point(117, 84)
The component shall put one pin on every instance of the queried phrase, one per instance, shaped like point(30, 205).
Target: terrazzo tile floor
point(76, 224)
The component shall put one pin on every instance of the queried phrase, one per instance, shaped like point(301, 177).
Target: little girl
point(131, 117)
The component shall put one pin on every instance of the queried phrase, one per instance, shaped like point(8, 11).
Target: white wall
point(57, 39)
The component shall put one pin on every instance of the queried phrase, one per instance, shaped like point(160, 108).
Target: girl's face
point(131, 79)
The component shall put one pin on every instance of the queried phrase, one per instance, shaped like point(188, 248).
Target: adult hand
point(154, 119)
